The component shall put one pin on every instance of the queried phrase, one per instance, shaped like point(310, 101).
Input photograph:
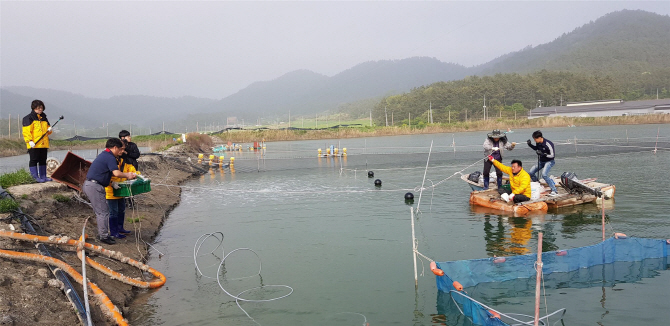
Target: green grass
point(15, 178)
point(61, 198)
point(135, 219)
point(8, 205)
point(160, 149)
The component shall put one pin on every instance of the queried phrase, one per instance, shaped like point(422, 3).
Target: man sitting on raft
point(519, 181)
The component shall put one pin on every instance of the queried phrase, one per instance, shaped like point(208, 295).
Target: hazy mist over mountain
point(409, 52)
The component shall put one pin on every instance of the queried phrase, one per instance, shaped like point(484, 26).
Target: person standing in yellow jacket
point(36, 125)
point(117, 205)
point(519, 181)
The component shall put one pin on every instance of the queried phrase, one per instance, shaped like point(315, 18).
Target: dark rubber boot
point(486, 182)
point(34, 174)
point(43, 173)
point(499, 181)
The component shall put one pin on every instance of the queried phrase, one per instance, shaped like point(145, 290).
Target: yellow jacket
point(123, 168)
point(520, 182)
point(34, 126)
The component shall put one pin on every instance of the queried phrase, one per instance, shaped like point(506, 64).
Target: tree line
point(512, 95)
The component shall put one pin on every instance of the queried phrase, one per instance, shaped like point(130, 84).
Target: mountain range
point(620, 44)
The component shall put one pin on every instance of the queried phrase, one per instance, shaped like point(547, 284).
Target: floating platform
point(490, 198)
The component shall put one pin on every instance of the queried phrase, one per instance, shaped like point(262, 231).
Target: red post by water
point(538, 267)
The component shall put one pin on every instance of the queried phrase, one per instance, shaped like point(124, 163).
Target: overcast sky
point(215, 48)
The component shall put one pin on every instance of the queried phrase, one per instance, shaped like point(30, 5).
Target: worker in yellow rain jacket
point(519, 181)
point(117, 205)
point(36, 125)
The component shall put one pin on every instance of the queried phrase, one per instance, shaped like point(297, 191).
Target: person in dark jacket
point(546, 152)
point(132, 153)
point(36, 131)
point(494, 144)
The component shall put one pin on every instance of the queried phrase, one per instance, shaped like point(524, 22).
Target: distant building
point(605, 108)
point(231, 121)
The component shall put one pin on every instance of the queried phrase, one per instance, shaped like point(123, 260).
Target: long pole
point(370, 118)
point(416, 278)
point(9, 122)
point(387, 116)
point(602, 202)
point(538, 278)
point(424, 175)
point(430, 110)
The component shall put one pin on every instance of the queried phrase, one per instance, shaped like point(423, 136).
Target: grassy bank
point(15, 178)
point(242, 136)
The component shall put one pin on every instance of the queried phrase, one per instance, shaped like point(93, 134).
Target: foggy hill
point(619, 43)
point(306, 92)
point(19, 105)
point(630, 46)
point(91, 112)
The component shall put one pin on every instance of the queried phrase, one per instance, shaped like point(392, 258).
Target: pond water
point(344, 246)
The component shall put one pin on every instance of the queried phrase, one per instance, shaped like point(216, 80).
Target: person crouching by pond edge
point(493, 146)
point(117, 205)
point(98, 177)
point(519, 181)
point(35, 126)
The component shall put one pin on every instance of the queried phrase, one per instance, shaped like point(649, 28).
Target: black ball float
point(378, 183)
point(371, 174)
point(409, 198)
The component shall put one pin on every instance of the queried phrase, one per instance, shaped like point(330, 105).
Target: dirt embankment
point(28, 294)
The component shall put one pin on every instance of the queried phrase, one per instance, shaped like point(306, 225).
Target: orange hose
point(105, 270)
point(103, 299)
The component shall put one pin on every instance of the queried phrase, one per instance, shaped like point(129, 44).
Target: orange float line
point(156, 283)
point(103, 299)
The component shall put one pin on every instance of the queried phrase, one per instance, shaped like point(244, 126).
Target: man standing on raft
point(519, 181)
point(546, 153)
point(493, 145)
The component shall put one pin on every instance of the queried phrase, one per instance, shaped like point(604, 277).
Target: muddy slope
point(29, 293)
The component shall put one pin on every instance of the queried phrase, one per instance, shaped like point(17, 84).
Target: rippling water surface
point(321, 227)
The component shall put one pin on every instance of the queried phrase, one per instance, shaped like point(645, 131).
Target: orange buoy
point(620, 235)
point(498, 260)
point(494, 314)
point(561, 253)
point(435, 270)
point(457, 286)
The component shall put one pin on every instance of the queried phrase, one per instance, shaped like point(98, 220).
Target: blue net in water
point(610, 261)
